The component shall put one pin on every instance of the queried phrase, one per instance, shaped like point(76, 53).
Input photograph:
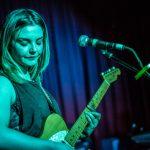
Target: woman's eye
point(23, 43)
point(39, 42)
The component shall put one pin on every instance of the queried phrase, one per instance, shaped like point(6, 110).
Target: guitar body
point(55, 128)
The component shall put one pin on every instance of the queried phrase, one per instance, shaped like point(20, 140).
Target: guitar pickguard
point(59, 136)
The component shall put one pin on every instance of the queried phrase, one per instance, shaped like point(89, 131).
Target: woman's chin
point(31, 64)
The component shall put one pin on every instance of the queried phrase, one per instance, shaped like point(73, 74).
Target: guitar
point(55, 128)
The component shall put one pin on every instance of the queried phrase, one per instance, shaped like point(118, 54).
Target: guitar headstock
point(111, 75)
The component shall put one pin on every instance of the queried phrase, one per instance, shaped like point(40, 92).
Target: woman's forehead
point(30, 31)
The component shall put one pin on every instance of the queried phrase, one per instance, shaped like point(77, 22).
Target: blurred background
point(74, 73)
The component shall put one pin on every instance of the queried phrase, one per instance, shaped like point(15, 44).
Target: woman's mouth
point(32, 58)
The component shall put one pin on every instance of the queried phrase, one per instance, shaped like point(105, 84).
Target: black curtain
point(73, 75)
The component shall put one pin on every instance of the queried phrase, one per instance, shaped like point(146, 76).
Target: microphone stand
point(145, 137)
point(121, 62)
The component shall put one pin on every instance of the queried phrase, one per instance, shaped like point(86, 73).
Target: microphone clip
point(142, 72)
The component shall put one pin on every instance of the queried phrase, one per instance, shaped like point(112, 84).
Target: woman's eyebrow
point(40, 38)
point(26, 39)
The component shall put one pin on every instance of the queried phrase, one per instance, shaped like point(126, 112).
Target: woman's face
point(27, 45)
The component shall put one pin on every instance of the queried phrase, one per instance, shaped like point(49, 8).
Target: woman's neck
point(26, 74)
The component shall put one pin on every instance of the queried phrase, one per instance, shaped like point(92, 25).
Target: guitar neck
point(77, 129)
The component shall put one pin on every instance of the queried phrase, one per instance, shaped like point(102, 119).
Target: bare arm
point(14, 140)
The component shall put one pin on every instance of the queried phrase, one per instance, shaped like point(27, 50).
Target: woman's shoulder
point(6, 87)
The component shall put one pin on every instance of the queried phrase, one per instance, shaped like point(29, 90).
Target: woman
point(24, 104)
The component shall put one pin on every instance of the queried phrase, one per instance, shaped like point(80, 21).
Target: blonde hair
point(16, 20)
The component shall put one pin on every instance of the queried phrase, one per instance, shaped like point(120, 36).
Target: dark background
point(73, 74)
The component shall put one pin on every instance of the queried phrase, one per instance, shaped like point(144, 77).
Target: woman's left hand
point(93, 118)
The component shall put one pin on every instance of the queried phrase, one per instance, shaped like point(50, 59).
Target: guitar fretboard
point(77, 129)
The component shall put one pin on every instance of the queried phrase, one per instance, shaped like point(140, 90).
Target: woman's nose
point(32, 52)
point(33, 49)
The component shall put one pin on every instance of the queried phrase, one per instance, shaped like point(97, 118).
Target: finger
point(93, 121)
point(96, 115)
point(88, 117)
point(91, 116)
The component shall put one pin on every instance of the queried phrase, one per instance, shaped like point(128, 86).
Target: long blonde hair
point(15, 21)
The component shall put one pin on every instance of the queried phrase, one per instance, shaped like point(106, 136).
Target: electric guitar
point(55, 128)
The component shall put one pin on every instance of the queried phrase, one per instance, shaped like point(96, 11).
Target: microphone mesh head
point(83, 40)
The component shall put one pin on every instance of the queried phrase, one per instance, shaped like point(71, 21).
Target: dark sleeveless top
point(31, 108)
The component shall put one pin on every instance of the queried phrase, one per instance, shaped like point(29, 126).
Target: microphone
point(84, 41)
